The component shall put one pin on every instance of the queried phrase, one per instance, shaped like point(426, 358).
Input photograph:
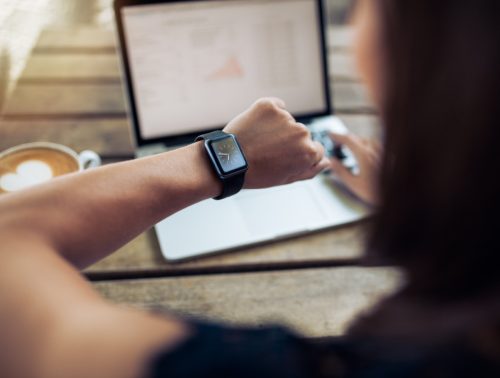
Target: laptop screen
point(195, 65)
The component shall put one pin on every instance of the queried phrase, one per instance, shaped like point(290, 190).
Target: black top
point(219, 352)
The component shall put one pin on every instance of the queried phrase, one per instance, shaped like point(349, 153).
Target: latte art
point(25, 168)
point(29, 173)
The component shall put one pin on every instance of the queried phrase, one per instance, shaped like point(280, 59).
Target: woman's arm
point(51, 321)
point(88, 215)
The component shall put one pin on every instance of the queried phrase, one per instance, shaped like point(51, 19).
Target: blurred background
point(22, 20)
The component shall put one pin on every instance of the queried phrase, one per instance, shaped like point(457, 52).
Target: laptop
point(192, 66)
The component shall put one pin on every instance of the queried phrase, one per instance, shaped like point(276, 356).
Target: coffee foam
point(29, 173)
point(25, 168)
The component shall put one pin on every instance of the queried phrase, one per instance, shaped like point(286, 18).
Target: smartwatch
point(227, 159)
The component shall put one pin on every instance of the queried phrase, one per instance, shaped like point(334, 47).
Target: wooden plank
point(84, 67)
point(316, 302)
point(76, 39)
point(98, 39)
point(107, 137)
point(57, 100)
point(142, 257)
point(107, 99)
point(50, 68)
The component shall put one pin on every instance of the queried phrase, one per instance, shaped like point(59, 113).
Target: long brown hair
point(440, 194)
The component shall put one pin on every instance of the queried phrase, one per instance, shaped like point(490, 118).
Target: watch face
point(228, 154)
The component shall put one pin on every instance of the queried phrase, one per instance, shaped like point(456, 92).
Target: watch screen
point(228, 154)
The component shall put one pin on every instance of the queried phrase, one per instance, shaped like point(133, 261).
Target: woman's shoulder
point(218, 351)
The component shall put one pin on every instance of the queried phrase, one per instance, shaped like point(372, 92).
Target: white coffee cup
point(30, 164)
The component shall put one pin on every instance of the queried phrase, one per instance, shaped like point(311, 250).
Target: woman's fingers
point(322, 165)
point(351, 141)
point(343, 174)
point(367, 155)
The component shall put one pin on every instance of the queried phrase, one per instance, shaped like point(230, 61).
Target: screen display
point(228, 154)
point(196, 65)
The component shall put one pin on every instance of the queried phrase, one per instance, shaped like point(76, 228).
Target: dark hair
point(440, 194)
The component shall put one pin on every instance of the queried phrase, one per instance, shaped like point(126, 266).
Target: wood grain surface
point(142, 257)
point(43, 68)
point(316, 302)
point(71, 68)
point(56, 101)
point(71, 95)
point(98, 40)
point(92, 99)
point(89, 39)
point(107, 137)
point(75, 73)
point(84, 67)
point(70, 92)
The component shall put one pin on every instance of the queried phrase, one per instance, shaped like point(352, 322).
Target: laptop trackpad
point(282, 211)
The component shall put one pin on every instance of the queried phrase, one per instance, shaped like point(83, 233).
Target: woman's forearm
point(87, 216)
point(49, 313)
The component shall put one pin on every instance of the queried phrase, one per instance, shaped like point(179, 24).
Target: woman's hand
point(368, 154)
point(278, 149)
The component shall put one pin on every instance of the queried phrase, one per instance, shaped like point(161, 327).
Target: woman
point(432, 68)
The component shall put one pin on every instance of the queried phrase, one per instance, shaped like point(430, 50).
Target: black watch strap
point(232, 184)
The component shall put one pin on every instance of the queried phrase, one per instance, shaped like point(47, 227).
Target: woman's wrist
point(206, 183)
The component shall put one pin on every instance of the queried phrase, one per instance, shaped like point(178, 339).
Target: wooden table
point(71, 93)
